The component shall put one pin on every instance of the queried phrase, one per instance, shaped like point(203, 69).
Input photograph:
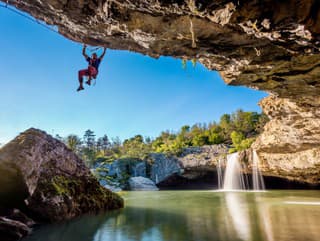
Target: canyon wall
point(267, 45)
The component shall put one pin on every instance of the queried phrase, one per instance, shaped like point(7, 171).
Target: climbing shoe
point(80, 88)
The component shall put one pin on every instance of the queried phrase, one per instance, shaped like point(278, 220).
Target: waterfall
point(233, 178)
point(257, 179)
point(220, 176)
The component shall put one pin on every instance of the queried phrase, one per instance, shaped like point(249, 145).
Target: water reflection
point(239, 215)
point(197, 216)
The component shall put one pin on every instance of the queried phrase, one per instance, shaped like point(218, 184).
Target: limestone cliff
point(195, 167)
point(268, 45)
point(289, 145)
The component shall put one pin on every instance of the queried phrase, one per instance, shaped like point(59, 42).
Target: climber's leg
point(81, 73)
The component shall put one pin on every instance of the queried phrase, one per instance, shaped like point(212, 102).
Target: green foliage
point(73, 142)
point(194, 62)
point(215, 138)
point(184, 63)
point(89, 155)
point(103, 143)
point(240, 142)
point(237, 138)
point(238, 129)
point(89, 138)
point(135, 147)
point(200, 140)
point(246, 143)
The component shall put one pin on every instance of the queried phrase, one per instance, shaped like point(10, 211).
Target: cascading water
point(257, 179)
point(220, 174)
point(233, 178)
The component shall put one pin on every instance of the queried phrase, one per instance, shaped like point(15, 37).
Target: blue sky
point(134, 94)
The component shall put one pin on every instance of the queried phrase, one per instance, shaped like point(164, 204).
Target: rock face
point(163, 166)
point(268, 45)
point(193, 167)
point(192, 164)
point(142, 184)
point(140, 169)
point(289, 146)
point(56, 183)
point(195, 160)
point(114, 176)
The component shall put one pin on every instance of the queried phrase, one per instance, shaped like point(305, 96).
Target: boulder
point(113, 188)
point(142, 184)
point(17, 215)
point(11, 230)
point(56, 183)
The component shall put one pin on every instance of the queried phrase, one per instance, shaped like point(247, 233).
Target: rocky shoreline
point(195, 168)
point(45, 182)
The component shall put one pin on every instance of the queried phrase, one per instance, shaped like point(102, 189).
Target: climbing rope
point(7, 6)
point(14, 10)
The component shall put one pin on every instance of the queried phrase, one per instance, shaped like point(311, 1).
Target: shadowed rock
point(50, 180)
point(11, 230)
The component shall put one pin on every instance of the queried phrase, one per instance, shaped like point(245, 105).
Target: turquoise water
point(198, 216)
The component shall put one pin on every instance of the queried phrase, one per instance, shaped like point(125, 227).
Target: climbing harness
point(93, 80)
point(7, 5)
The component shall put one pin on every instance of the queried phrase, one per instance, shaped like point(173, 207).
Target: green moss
point(63, 185)
point(77, 195)
point(86, 191)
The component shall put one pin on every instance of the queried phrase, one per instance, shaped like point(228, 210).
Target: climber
point(92, 70)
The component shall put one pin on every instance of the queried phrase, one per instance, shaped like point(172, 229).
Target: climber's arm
point(84, 52)
point(104, 52)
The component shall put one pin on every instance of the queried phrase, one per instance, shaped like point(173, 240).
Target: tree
point(115, 142)
point(148, 140)
point(136, 148)
point(89, 139)
point(73, 142)
point(200, 140)
point(225, 124)
point(245, 122)
point(215, 134)
point(89, 156)
point(103, 144)
point(237, 138)
point(185, 129)
point(240, 142)
point(215, 138)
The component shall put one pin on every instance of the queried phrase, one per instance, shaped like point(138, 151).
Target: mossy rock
point(63, 197)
